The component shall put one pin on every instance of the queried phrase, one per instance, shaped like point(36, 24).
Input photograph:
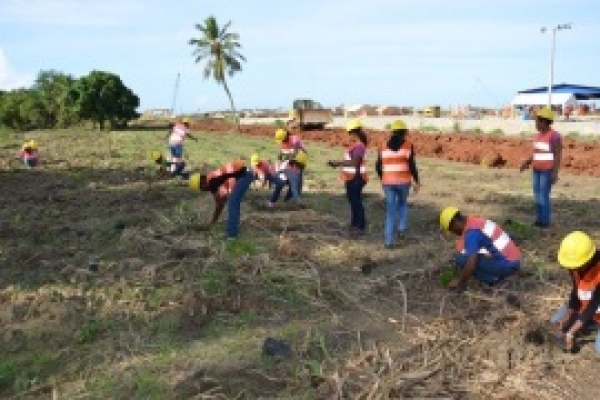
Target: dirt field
point(108, 289)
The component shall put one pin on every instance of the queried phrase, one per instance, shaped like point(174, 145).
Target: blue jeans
point(176, 150)
point(278, 183)
point(178, 171)
point(32, 162)
point(295, 191)
point(542, 184)
point(354, 189)
point(235, 202)
point(561, 313)
point(294, 179)
point(395, 210)
point(488, 269)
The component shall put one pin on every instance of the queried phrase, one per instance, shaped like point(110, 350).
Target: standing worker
point(229, 182)
point(485, 251)
point(578, 253)
point(289, 146)
point(397, 168)
point(547, 150)
point(354, 175)
point(176, 136)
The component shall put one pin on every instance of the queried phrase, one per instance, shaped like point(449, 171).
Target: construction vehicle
point(307, 114)
point(431, 112)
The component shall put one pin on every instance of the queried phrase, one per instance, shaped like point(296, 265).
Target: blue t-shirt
point(475, 240)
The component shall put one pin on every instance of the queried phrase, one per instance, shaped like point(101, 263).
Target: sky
point(338, 52)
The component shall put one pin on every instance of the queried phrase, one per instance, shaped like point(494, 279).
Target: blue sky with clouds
point(400, 52)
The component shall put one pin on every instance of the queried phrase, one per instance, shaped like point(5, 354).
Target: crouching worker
point(485, 251)
point(170, 168)
point(579, 254)
point(29, 154)
point(265, 172)
point(230, 183)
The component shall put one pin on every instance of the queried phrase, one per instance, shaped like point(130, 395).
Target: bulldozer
point(307, 114)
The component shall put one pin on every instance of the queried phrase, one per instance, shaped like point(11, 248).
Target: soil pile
point(579, 157)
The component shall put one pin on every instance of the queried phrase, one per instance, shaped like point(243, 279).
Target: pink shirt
point(29, 155)
point(177, 134)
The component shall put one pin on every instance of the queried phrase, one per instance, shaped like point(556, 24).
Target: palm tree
point(220, 50)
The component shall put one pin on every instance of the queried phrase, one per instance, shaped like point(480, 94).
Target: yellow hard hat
point(280, 135)
point(194, 182)
point(576, 249)
point(353, 124)
point(254, 159)
point(155, 155)
point(301, 157)
point(33, 144)
point(398, 125)
point(446, 217)
point(186, 120)
point(545, 113)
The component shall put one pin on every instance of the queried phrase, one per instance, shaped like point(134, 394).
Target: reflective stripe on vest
point(500, 239)
point(543, 158)
point(348, 173)
point(586, 287)
point(394, 165)
point(230, 168)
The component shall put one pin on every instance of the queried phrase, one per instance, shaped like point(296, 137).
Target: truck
point(307, 114)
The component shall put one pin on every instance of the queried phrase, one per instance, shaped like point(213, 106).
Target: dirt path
point(579, 157)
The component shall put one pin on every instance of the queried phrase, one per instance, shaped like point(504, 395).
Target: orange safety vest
point(394, 165)
point(348, 173)
point(543, 157)
point(586, 287)
point(289, 146)
point(230, 168)
point(500, 239)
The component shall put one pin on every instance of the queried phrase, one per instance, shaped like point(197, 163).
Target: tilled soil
point(579, 157)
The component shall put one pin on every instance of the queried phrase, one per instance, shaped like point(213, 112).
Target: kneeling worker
point(230, 183)
point(579, 254)
point(485, 251)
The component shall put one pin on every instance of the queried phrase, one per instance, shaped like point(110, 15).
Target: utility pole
point(559, 27)
point(175, 95)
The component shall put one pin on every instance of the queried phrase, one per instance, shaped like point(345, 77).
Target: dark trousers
point(354, 188)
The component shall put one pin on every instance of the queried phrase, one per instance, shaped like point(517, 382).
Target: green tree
point(20, 110)
point(55, 95)
point(102, 97)
point(219, 49)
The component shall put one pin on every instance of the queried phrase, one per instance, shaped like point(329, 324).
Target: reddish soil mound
point(579, 157)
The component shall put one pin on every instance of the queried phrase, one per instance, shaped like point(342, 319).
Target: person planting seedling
point(485, 251)
point(580, 256)
point(169, 168)
point(29, 154)
point(228, 185)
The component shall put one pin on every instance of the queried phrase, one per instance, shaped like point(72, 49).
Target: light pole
point(559, 27)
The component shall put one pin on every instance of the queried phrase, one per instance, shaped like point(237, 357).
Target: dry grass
point(177, 313)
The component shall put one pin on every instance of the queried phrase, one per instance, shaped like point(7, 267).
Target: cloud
point(10, 79)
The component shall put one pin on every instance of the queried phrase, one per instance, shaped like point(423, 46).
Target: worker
point(355, 177)
point(579, 254)
point(546, 157)
point(177, 134)
point(397, 168)
point(169, 167)
point(266, 172)
point(29, 154)
point(289, 145)
point(229, 182)
point(485, 251)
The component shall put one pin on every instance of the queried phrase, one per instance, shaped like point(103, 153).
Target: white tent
point(541, 99)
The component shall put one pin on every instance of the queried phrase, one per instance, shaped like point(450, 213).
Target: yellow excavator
point(307, 114)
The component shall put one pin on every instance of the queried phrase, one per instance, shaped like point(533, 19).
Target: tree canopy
point(58, 100)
